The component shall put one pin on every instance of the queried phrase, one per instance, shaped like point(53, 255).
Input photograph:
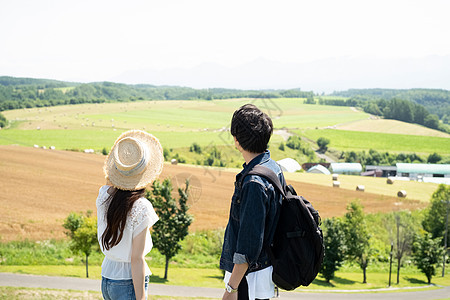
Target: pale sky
point(98, 40)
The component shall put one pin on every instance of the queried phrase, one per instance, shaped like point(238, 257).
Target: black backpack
point(297, 248)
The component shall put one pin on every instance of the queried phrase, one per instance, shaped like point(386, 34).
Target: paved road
point(66, 283)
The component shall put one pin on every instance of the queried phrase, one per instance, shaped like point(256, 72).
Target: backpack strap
point(269, 175)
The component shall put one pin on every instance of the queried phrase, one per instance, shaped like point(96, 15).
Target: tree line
point(436, 101)
point(395, 109)
point(16, 93)
point(374, 157)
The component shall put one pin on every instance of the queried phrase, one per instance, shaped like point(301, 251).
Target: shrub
point(323, 143)
point(294, 142)
point(195, 148)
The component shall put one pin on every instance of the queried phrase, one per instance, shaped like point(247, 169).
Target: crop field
point(346, 140)
point(41, 187)
point(419, 191)
point(175, 123)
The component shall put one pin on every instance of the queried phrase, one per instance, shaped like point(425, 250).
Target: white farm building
point(437, 173)
point(289, 165)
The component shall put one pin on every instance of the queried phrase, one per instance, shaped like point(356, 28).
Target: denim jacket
point(253, 218)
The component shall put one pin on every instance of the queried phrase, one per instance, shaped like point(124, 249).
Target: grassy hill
point(178, 124)
point(346, 140)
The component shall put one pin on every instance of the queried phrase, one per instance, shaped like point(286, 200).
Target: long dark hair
point(120, 204)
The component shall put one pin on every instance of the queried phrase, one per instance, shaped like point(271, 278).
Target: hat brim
point(150, 173)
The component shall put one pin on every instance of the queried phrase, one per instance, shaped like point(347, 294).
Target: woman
point(124, 215)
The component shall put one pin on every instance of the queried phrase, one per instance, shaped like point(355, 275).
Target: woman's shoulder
point(142, 209)
point(102, 194)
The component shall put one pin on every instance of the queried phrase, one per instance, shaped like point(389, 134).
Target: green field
point(175, 123)
point(358, 141)
point(180, 123)
point(80, 139)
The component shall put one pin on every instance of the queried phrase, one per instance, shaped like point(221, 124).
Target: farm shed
point(307, 166)
point(346, 168)
point(289, 165)
point(373, 173)
point(319, 169)
point(386, 170)
point(439, 173)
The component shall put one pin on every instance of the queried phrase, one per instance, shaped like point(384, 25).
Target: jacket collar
point(261, 158)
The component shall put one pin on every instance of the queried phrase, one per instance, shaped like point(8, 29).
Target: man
point(253, 212)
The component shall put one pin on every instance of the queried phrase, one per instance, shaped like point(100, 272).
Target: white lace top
point(117, 262)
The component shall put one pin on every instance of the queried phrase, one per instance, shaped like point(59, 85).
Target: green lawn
point(346, 280)
point(358, 141)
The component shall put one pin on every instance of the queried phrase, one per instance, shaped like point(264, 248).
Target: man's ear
point(236, 143)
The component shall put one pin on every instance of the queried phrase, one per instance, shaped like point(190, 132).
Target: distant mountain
point(325, 75)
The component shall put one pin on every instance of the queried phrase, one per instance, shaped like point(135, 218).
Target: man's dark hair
point(252, 128)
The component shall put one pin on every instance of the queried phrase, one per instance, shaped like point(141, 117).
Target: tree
point(174, 220)
point(334, 243)
point(310, 100)
point(432, 121)
point(195, 148)
point(83, 232)
point(294, 142)
point(73, 222)
point(323, 143)
point(435, 215)
point(427, 252)
point(434, 158)
point(3, 121)
point(404, 238)
point(356, 236)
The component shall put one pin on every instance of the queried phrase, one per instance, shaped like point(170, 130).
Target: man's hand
point(229, 296)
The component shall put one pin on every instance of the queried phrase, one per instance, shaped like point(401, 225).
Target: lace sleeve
point(141, 216)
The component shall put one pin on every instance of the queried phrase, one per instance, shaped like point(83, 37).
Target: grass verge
point(213, 277)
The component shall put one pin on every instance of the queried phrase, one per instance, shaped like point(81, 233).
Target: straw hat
point(135, 160)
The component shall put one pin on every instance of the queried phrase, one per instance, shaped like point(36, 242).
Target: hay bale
point(401, 194)
point(336, 184)
point(360, 188)
point(390, 181)
point(174, 161)
point(335, 177)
